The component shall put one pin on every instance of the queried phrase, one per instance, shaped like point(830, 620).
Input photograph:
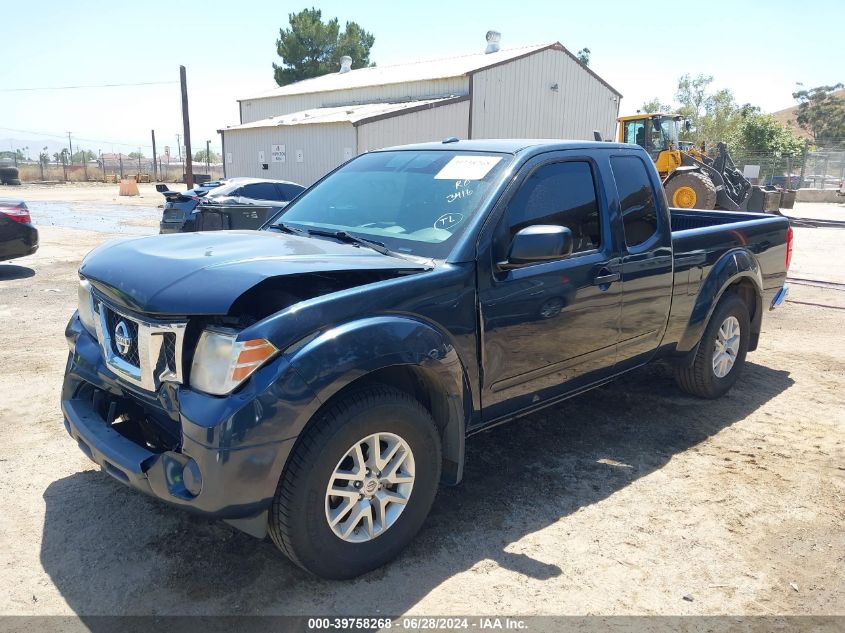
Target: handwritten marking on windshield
point(448, 220)
point(462, 190)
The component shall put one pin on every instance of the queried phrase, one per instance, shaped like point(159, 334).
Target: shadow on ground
point(110, 550)
point(9, 272)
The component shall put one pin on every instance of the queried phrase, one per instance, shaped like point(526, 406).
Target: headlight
point(221, 363)
point(86, 307)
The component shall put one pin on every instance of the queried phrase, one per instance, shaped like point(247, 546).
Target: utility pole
point(155, 170)
point(179, 146)
point(120, 159)
point(85, 164)
point(186, 124)
point(102, 163)
point(139, 163)
point(208, 158)
point(70, 145)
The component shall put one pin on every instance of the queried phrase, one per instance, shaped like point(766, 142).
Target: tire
point(7, 173)
point(702, 378)
point(703, 189)
point(300, 513)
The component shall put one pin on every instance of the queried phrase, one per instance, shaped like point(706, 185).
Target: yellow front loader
point(691, 178)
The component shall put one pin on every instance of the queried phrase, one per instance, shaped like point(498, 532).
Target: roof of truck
point(510, 145)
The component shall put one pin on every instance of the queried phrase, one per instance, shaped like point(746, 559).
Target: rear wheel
point(358, 485)
point(721, 353)
point(691, 190)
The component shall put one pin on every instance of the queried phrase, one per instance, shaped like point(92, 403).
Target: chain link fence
point(817, 169)
point(115, 169)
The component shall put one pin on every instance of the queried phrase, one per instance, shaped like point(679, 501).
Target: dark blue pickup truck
point(316, 380)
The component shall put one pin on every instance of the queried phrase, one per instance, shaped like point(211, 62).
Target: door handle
point(606, 280)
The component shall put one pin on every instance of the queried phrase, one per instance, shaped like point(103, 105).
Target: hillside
point(787, 116)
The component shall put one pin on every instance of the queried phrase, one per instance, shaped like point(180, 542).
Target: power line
point(79, 138)
point(143, 83)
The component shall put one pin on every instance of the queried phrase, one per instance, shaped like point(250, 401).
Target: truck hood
point(204, 273)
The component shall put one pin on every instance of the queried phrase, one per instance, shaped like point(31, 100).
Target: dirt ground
point(631, 499)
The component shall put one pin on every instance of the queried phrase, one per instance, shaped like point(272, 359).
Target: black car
point(179, 205)
point(18, 237)
point(238, 203)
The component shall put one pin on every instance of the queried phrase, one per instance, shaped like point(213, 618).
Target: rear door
point(646, 258)
point(549, 327)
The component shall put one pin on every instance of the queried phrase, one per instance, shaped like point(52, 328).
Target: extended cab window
point(636, 199)
point(562, 194)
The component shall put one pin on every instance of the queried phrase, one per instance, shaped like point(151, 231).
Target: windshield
point(414, 202)
point(667, 128)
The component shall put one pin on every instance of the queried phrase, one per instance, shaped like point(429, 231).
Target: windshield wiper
point(351, 238)
point(287, 228)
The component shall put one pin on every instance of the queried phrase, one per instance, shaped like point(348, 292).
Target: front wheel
point(691, 190)
point(721, 352)
point(358, 485)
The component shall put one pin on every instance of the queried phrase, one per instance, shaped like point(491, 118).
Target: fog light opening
point(192, 478)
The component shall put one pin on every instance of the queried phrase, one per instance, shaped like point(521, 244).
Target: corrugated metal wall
point(257, 109)
point(515, 100)
point(433, 124)
point(323, 147)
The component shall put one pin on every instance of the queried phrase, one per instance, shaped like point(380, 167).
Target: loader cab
point(653, 132)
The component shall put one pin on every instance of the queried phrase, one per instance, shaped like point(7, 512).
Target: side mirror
point(538, 243)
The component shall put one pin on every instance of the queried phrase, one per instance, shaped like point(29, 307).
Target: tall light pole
point(70, 146)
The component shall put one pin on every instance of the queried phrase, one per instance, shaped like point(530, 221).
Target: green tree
point(311, 47)
point(200, 157)
point(655, 105)
point(762, 134)
point(136, 155)
point(822, 114)
point(83, 156)
point(584, 56)
point(692, 95)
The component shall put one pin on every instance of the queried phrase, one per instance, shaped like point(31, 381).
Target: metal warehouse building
point(300, 131)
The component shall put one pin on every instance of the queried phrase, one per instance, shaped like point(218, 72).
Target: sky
point(759, 50)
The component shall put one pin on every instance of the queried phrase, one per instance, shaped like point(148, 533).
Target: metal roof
point(353, 114)
point(413, 71)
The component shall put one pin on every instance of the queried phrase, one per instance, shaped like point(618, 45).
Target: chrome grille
point(113, 320)
point(143, 351)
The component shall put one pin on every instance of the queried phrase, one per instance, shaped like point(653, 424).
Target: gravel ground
point(631, 499)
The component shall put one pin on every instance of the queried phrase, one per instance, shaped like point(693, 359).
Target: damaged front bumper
point(225, 455)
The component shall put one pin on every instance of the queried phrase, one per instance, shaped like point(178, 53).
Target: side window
point(289, 192)
point(260, 191)
point(636, 197)
point(635, 132)
point(563, 194)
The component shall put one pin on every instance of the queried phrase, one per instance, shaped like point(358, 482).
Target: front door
point(552, 326)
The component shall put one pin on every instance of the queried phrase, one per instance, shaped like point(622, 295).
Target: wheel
point(721, 353)
point(691, 190)
point(358, 485)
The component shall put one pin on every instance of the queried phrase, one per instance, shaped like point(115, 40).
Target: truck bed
point(700, 239)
